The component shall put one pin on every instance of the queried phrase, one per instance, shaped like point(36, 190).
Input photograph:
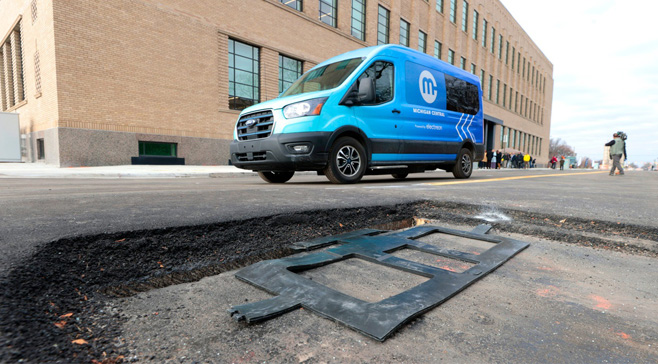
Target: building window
point(12, 89)
point(463, 63)
point(465, 17)
point(500, 46)
point(243, 75)
point(437, 49)
point(359, 19)
point(482, 77)
point(484, 33)
point(158, 149)
point(528, 77)
point(473, 68)
point(511, 94)
point(422, 41)
point(521, 109)
point(404, 33)
point(33, 7)
point(489, 96)
point(439, 6)
point(518, 63)
point(513, 142)
point(493, 39)
point(295, 4)
point(37, 73)
point(453, 11)
point(513, 54)
point(383, 20)
point(504, 94)
point(41, 150)
point(475, 24)
point(497, 92)
point(289, 71)
point(328, 12)
point(523, 73)
point(516, 102)
point(507, 52)
point(451, 57)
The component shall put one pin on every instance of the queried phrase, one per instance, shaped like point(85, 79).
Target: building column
point(8, 75)
point(17, 62)
point(269, 79)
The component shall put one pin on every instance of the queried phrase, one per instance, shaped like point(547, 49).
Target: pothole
point(376, 282)
point(71, 276)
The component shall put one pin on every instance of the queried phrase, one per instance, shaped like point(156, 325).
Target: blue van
point(379, 110)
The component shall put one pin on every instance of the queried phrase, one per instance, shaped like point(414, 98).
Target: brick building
point(101, 82)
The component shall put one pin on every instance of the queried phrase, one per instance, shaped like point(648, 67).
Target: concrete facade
point(98, 77)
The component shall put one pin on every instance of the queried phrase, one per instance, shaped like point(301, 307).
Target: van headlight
point(304, 108)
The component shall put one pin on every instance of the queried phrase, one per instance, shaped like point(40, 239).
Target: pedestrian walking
point(553, 162)
point(617, 150)
point(526, 161)
point(494, 157)
point(562, 159)
point(489, 157)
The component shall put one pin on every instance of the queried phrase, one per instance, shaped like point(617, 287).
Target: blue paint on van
point(378, 110)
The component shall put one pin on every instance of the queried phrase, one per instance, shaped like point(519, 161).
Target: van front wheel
point(276, 177)
point(347, 161)
point(464, 166)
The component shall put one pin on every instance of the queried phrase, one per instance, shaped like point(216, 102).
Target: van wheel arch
point(352, 132)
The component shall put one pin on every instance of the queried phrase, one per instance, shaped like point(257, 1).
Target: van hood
point(281, 102)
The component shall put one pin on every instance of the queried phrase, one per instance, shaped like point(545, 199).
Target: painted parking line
point(509, 178)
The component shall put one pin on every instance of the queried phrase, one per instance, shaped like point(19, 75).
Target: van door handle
point(396, 111)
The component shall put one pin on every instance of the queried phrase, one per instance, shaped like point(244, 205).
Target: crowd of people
point(495, 159)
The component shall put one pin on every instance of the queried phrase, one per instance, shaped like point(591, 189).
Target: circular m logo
point(428, 86)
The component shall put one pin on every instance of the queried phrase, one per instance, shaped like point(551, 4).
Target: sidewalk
point(41, 170)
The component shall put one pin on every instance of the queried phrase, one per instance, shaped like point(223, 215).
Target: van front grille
point(256, 125)
point(255, 156)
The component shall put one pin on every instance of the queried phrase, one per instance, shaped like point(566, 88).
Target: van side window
point(461, 96)
point(383, 73)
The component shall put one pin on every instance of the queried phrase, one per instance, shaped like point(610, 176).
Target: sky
point(605, 70)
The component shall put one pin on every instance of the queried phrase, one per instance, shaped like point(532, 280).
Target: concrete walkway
point(41, 170)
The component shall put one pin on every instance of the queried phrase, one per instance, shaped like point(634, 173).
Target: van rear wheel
point(276, 177)
point(464, 166)
point(347, 161)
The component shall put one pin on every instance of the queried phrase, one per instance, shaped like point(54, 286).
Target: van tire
point(276, 177)
point(400, 175)
point(464, 166)
point(347, 161)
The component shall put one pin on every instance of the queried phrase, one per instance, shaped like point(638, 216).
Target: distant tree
point(560, 147)
point(585, 162)
point(632, 165)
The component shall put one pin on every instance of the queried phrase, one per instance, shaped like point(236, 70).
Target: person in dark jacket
point(617, 149)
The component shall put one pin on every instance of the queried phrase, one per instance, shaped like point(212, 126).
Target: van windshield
point(323, 78)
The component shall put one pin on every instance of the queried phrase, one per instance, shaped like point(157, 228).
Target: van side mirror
point(367, 90)
point(364, 94)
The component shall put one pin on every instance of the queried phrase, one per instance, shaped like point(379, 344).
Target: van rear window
point(461, 96)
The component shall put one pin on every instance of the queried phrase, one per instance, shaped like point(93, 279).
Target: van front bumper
point(276, 153)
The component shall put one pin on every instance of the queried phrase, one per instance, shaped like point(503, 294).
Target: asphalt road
point(552, 303)
point(40, 209)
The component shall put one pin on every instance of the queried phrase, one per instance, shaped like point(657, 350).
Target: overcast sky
point(605, 69)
